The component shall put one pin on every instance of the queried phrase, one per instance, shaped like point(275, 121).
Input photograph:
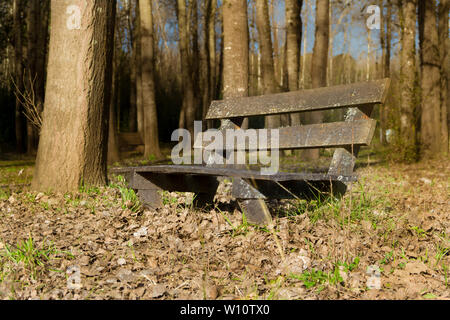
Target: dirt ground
point(388, 238)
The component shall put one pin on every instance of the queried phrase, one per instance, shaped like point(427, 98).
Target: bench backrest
point(357, 129)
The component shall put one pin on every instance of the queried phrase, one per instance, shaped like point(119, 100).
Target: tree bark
point(270, 84)
point(187, 115)
point(210, 51)
point(319, 64)
point(132, 120)
point(137, 67)
point(151, 139)
point(444, 7)
point(113, 140)
point(408, 126)
point(431, 142)
point(73, 146)
point(293, 43)
point(385, 41)
point(236, 53)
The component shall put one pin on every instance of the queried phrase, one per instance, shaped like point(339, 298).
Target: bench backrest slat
point(351, 95)
point(324, 135)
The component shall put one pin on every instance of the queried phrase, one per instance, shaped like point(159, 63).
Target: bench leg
point(151, 198)
point(255, 211)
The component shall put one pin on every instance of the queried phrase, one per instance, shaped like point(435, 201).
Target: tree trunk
point(113, 141)
point(431, 142)
point(18, 70)
point(305, 47)
point(210, 51)
point(276, 50)
point(408, 81)
point(270, 84)
point(31, 76)
point(42, 24)
point(293, 43)
point(319, 64)
point(385, 40)
point(444, 7)
point(73, 146)
point(132, 120)
point(236, 55)
point(151, 140)
point(187, 115)
point(137, 66)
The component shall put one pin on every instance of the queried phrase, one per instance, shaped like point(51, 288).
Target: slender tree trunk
point(31, 75)
point(219, 87)
point(187, 115)
point(270, 84)
point(113, 140)
point(210, 52)
point(408, 81)
point(42, 26)
point(73, 146)
point(305, 47)
point(444, 7)
point(431, 142)
point(18, 70)
point(293, 43)
point(319, 64)
point(137, 67)
point(276, 50)
point(385, 66)
point(195, 59)
point(151, 139)
point(132, 120)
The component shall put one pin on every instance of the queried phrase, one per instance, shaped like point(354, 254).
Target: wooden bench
point(250, 187)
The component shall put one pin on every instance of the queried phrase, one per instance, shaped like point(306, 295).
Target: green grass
point(319, 278)
point(32, 257)
point(129, 197)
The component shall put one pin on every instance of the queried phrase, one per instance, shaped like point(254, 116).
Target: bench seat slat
point(324, 135)
point(232, 172)
point(351, 95)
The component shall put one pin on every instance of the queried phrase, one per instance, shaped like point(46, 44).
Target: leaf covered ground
point(388, 238)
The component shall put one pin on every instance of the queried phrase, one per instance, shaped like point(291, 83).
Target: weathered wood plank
point(324, 135)
point(351, 95)
point(165, 175)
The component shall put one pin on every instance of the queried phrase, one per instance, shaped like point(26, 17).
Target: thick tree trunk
point(236, 54)
point(408, 81)
point(151, 139)
point(319, 64)
point(18, 77)
point(444, 7)
point(73, 146)
point(431, 142)
point(270, 84)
